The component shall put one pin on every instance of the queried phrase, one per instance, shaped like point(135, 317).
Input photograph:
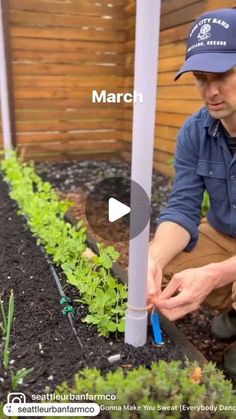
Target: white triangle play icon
point(116, 210)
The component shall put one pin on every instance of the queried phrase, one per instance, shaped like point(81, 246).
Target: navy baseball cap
point(211, 43)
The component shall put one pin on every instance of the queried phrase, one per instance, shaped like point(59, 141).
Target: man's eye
point(222, 75)
point(200, 78)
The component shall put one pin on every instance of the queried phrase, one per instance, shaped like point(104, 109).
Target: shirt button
point(210, 172)
point(234, 206)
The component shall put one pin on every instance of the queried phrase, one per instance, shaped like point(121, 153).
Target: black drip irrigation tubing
point(70, 315)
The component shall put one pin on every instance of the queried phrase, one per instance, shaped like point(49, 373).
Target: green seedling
point(18, 377)
point(9, 322)
point(6, 326)
point(3, 324)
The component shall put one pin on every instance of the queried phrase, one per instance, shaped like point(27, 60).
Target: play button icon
point(116, 210)
point(108, 209)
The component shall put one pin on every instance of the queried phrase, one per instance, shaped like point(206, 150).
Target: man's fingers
point(158, 280)
point(171, 303)
point(151, 285)
point(150, 298)
point(154, 280)
point(171, 288)
point(179, 312)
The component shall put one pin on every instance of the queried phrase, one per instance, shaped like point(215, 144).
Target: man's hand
point(193, 286)
point(154, 279)
point(162, 249)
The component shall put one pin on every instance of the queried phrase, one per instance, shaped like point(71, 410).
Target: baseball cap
point(211, 43)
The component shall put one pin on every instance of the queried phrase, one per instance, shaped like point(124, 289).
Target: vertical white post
point(5, 98)
point(145, 82)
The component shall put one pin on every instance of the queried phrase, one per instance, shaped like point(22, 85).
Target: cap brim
point(209, 63)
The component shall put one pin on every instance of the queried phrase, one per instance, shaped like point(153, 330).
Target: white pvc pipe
point(145, 82)
point(5, 101)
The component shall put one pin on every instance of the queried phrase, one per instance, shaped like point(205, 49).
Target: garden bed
point(39, 264)
point(42, 338)
point(74, 179)
point(55, 361)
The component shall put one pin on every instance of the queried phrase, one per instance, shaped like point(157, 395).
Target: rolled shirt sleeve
point(184, 205)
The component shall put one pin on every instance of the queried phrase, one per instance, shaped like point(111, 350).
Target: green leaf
point(111, 327)
point(121, 326)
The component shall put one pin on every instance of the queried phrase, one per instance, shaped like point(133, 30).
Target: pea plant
point(98, 289)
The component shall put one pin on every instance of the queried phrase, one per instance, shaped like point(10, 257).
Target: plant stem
point(4, 326)
point(6, 355)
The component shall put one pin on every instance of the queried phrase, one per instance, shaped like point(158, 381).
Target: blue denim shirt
point(203, 162)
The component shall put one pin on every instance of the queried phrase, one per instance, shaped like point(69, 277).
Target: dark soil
point(74, 179)
point(42, 337)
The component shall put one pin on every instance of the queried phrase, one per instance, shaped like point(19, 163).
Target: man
point(202, 258)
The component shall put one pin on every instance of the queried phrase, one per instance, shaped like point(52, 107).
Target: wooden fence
point(176, 100)
point(62, 50)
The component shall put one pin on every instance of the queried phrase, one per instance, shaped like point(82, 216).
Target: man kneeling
point(200, 257)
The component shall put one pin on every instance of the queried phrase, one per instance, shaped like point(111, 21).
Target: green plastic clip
point(65, 300)
point(68, 309)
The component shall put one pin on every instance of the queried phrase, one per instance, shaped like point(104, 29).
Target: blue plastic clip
point(157, 332)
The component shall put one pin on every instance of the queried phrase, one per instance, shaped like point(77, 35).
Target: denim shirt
point(203, 162)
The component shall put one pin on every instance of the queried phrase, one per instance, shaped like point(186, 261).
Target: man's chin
point(219, 114)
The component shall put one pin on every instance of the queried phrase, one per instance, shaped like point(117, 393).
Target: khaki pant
point(211, 247)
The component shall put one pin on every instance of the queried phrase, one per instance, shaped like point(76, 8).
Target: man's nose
point(212, 89)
